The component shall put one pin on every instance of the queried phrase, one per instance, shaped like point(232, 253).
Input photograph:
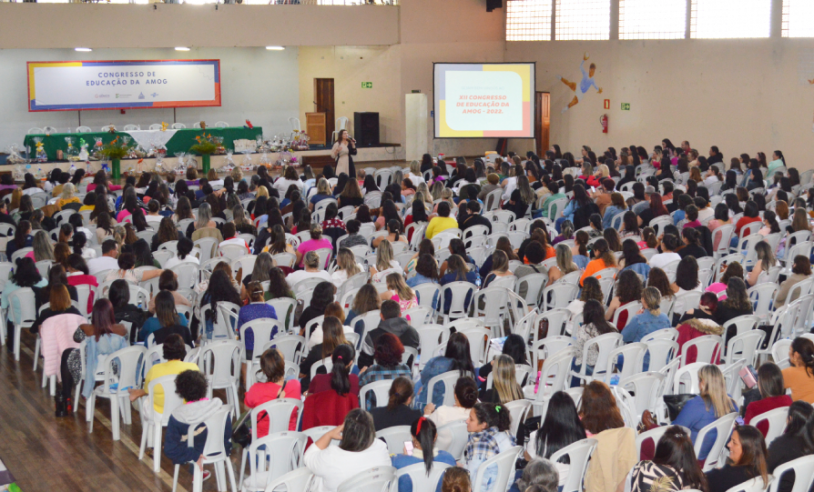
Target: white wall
point(256, 84)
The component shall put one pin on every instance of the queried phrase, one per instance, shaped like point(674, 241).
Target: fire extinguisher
point(603, 120)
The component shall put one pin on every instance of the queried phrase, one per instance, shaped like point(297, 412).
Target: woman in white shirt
point(669, 245)
point(288, 178)
point(346, 267)
point(358, 450)
point(415, 173)
point(385, 264)
point(466, 395)
point(183, 255)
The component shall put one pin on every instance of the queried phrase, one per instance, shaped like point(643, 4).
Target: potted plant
point(205, 147)
point(115, 151)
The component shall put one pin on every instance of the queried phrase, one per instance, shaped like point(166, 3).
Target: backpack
point(583, 214)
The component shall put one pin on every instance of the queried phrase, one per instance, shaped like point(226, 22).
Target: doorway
point(324, 103)
point(543, 120)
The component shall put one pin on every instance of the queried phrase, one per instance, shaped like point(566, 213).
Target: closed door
point(324, 102)
point(543, 120)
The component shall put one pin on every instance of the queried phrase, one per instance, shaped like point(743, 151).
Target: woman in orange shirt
point(603, 258)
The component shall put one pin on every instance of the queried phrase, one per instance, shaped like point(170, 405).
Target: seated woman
point(126, 271)
point(346, 267)
point(59, 303)
point(394, 234)
point(712, 404)
point(333, 335)
point(457, 271)
point(699, 322)
point(388, 351)
point(731, 270)
point(500, 274)
point(561, 428)
point(424, 434)
point(800, 270)
point(603, 258)
point(651, 319)
point(358, 450)
point(737, 303)
point(747, 460)
point(426, 271)
point(673, 467)
point(594, 325)
point(166, 321)
point(399, 291)
point(769, 394)
point(565, 264)
point(799, 378)
point(457, 357)
point(628, 289)
point(275, 386)
point(504, 382)
point(792, 444)
point(330, 407)
point(168, 280)
point(256, 309)
point(465, 397)
point(398, 410)
point(488, 426)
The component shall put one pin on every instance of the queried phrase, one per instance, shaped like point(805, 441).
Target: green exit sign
point(367, 85)
point(625, 106)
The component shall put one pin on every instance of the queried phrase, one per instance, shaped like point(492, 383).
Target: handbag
point(242, 433)
point(675, 403)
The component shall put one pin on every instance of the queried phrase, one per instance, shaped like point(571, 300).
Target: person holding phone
point(343, 149)
point(421, 449)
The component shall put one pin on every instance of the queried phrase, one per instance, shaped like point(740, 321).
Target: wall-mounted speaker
point(366, 129)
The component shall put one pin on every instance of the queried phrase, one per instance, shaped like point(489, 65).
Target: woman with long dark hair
point(673, 468)
point(747, 460)
point(796, 441)
point(330, 406)
point(166, 321)
point(220, 288)
point(457, 357)
point(424, 434)
point(561, 428)
point(594, 325)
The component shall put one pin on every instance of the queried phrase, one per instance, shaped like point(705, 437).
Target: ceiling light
point(275, 48)
point(181, 48)
point(82, 49)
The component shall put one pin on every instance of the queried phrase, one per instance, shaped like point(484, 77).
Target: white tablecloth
point(148, 138)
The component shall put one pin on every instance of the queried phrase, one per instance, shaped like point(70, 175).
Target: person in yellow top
point(174, 353)
point(67, 195)
point(442, 222)
point(89, 203)
point(603, 258)
point(800, 376)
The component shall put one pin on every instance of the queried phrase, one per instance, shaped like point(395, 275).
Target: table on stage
point(174, 140)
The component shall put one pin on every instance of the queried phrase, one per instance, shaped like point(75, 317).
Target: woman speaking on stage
point(343, 149)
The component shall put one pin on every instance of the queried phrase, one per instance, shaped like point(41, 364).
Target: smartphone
point(408, 447)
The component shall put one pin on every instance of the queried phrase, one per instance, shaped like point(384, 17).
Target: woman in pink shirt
point(100, 179)
point(272, 365)
point(78, 275)
point(316, 242)
point(734, 269)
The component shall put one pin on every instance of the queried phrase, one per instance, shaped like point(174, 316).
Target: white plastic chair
point(153, 424)
point(803, 474)
point(457, 306)
point(458, 437)
point(723, 426)
point(691, 373)
point(449, 379)
point(25, 299)
point(380, 390)
point(505, 469)
point(128, 377)
point(554, 376)
point(579, 454)
point(645, 386)
point(220, 363)
point(272, 456)
point(214, 453)
point(606, 344)
point(744, 346)
point(376, 479)
point(419, 477)
point(776, 419)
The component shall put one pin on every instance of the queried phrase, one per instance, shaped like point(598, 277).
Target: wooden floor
point(49, 454)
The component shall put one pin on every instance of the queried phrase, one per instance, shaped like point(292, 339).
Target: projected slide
point(474, 100)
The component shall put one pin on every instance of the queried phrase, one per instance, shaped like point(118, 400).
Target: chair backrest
point(459, 292)
point(419, 477)
point(458, 437)
point(284, 307)
point(292, 346)
point(707, 347)
point(653, 434)
point(171, 398)
point(690, 371)
point(554, 375)
point(23, 298)
point(449, 379)
point(221, 360)
point(373, 480)
point(723, 426)
point(662, 352)
point(279, 413)
point(262, 329)
point(548, 346)
point(380, 390)
point(803, 474)
point(633, 354)
point(606, 344)
point(579, 454)
point(505, 470)
point(272, 457)
point(394, 437)
point(776, 419)
point(744, 346)
point(645, 386)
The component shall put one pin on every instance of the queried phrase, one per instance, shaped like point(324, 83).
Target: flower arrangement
point(206, 145)
point(115, 150)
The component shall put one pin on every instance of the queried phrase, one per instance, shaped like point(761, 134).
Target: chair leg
point(220, 476)
point(230, 470)
point(157, 446)
point(53, 379)
point(175, 478)
point(197, 479)
point(145, 431)
point(114, 418)
point(44, 379)
point(17, 331)
point(245, 453)
point(89, 409)
point(124, 405)
point(37, 351)
point(76, 396)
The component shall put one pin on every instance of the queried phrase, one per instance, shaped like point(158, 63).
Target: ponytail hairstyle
point(805, 348)
point(400, 393)
point(424, 432)
point(581, 240)
point(340, 374)
point(567, 229)
point(494, 415)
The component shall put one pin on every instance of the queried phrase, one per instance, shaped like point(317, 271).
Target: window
point(730, 19)
point(646, 19)
point(798, 19)
point(582, 19)
point(528, 20)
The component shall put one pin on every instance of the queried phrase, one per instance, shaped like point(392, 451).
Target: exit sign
point(625, 106)
point(367, 85)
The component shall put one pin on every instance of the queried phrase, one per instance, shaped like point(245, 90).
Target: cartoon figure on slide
point(584, 84)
